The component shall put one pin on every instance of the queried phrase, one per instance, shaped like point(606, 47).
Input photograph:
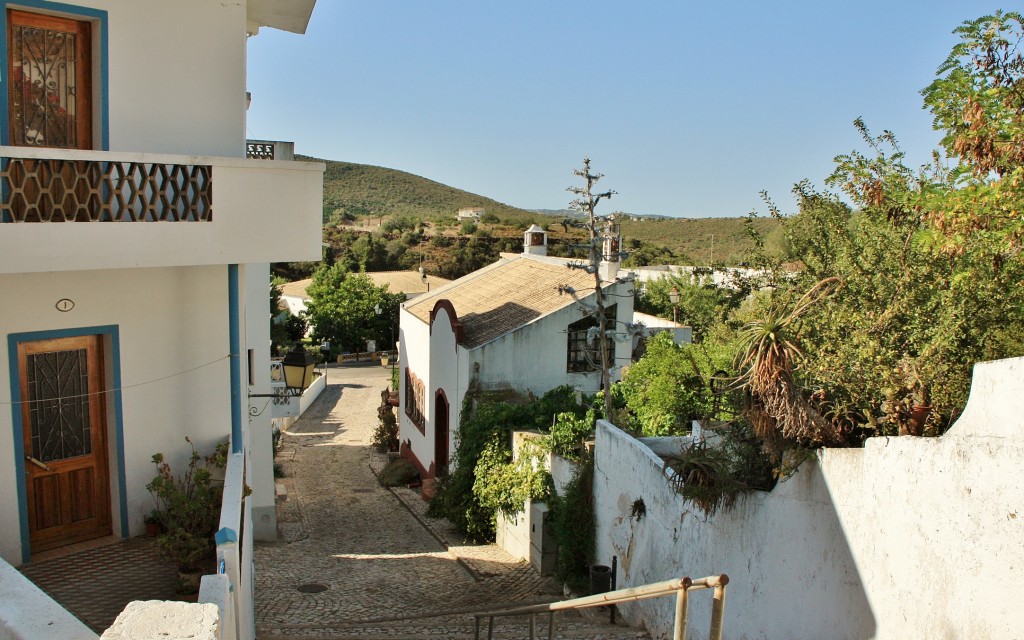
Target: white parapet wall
point(165, 620)
point(905, 538)
point(27, 613)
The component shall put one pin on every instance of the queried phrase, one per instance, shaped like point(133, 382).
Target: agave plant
point(770, 354)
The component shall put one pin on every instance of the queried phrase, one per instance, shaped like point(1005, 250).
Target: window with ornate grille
point(584, 355)
point(415, 399)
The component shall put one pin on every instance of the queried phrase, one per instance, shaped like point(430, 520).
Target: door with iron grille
point(64, 428)
point(49, 69)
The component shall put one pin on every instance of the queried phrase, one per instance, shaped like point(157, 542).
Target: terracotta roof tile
point(505, 296)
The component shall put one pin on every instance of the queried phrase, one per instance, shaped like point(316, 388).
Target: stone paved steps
point(569, 626)
point(358, 560)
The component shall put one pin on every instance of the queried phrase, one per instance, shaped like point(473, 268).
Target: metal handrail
point(680, 586)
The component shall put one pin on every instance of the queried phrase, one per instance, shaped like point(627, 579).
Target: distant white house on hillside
point(470, 213)
point(510, 325)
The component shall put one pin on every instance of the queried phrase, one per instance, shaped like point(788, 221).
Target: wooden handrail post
point(718, 608)
point(682, 606)
point(533, 626)
point(551, 626)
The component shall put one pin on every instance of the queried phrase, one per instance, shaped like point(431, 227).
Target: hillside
point(383, 219)
point(703, 241)
point(355, 190)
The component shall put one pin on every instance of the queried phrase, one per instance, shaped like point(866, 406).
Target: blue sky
point(689, 109)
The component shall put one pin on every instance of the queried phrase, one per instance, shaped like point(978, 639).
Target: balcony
point(67, 210)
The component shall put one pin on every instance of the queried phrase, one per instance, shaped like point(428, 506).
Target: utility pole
point(586, 201)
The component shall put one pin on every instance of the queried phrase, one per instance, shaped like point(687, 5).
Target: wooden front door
point(65, 438)
point(49, 68)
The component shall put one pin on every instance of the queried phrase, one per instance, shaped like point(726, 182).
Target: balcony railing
point(61, 190)
point(265, 210)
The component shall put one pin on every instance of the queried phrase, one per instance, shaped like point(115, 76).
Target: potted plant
point(154, 524)
point(189, 509)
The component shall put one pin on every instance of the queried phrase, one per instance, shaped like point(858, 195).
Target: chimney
point(535, 241)
point(609, 267)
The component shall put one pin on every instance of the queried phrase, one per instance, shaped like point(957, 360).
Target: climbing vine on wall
point(484, 479)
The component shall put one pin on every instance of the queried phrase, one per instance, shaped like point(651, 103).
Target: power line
point(123, 387)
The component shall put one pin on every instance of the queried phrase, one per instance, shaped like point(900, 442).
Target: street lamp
point(673, 295)
point(386, 356)
point(297, 371)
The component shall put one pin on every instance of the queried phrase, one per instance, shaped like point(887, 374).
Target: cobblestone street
point(378, 555)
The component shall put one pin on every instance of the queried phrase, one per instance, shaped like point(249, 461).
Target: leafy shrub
point(568, 433)
point(572, 519)
point(467, 228)
point(188, 507)
point(712, 476)
point(503, 484)
point(398, 473)
point(666, 388)
point(385, 434)
point(487, 423)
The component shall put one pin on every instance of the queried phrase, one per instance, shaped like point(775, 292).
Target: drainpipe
point(234, 337)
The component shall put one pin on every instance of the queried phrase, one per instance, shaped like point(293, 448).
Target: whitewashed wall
point(177, 76)
point(908, 537)
point(260, 448)
point(531, 358)
point(534, 356)
point(446, 373)
point(414, 355)
point(170, 321)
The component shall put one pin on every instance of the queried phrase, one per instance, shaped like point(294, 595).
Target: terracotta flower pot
point(918, 416)
point(429, 488)
point(188, 580)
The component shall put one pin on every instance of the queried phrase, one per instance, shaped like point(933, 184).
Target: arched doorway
point(441, 433)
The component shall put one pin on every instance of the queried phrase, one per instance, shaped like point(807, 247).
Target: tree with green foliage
point(929, 261)
point(341, 309)
point(977, 100)
point(667, 388)
point(285, 329)
point(467, 257)
point(702, 303)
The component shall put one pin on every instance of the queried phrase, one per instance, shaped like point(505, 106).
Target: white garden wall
point(905, 538)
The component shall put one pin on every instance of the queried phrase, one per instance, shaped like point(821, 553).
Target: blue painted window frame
point(99, 18)
point(111, 333)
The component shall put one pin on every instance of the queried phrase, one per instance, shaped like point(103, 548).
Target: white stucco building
point(510, 325)
point(135, 238)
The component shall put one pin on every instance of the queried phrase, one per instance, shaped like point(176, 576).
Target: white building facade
point(511, 325)
point(135, 242)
